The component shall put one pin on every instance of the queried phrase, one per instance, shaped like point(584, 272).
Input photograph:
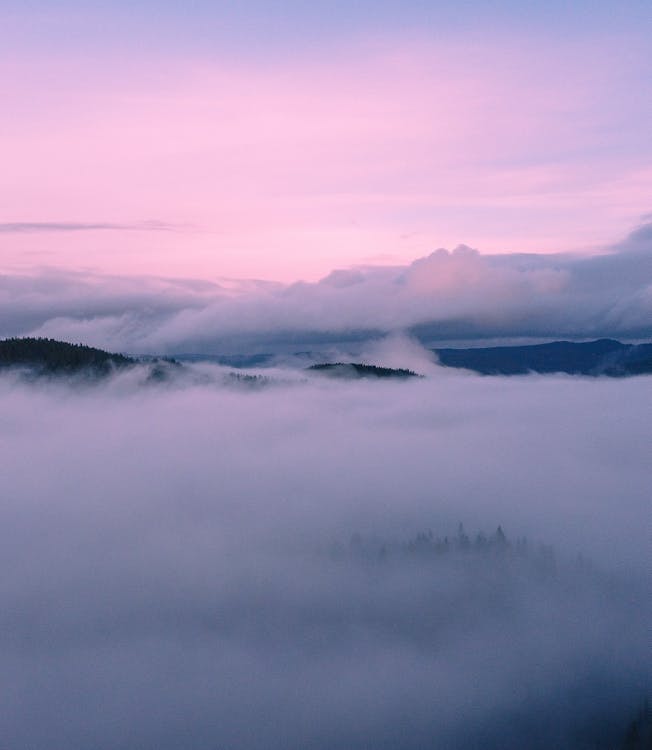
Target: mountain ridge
point(601, 357)
point(594, 358)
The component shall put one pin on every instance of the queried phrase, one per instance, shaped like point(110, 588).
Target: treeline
point(425, 545)
point(359, 370)
point(49, 356)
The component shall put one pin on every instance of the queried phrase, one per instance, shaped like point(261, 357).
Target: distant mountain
point(601, 357)
point(356, 370)
point(50, 357)
point(42, 356)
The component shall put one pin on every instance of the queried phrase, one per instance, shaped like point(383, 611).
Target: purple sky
point(215, 143)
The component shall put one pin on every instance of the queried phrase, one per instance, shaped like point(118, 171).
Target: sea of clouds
point(177, 568)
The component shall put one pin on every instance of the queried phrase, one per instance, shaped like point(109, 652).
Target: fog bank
point(169, 577)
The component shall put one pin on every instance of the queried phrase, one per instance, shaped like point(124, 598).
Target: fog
point(448, 295)
point(178, 570)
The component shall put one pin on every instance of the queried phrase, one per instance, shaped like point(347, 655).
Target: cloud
point(23, 227)
point(177, 568)
point(639, 240)
point(447, 295)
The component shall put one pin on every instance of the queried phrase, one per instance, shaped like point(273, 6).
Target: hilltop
point(357, 370)
point(50, 357)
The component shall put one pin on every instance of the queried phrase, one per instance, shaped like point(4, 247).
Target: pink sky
point(381, 153)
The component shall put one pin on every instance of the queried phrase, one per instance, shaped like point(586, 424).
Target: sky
point(280, 141)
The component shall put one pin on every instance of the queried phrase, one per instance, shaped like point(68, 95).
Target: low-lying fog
point(178, 568)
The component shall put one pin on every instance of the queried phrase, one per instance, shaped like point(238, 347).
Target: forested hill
point(356, 370)
point(47, 356)
point(601, 357)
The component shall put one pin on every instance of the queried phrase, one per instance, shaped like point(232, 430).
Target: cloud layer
point(456, 295)
point(168, 576)
point(27, 227)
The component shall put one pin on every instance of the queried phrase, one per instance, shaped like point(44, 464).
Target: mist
point(195, 563)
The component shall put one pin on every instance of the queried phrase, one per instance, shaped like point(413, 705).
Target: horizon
point(441, 298)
